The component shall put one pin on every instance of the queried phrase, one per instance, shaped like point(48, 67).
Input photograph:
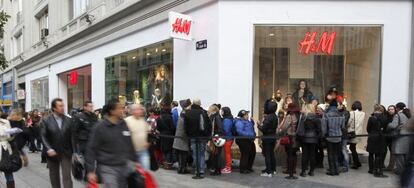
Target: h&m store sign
point(180, 26)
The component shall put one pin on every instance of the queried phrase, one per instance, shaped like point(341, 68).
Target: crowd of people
point(112, 141)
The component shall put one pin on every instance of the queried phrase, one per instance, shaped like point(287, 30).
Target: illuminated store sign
point(325, 44)
point(180, 26)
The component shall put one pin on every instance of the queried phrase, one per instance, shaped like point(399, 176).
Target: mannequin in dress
point(161, 80)
point(279, 100)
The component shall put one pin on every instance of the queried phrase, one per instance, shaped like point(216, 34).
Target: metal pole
point(197, 175)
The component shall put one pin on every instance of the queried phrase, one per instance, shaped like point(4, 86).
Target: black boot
point(10, 184)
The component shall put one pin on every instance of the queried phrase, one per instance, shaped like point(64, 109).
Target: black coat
point(57, 139)
point(192, 122)
point(376, 128)
point(218, 124)
point(165, 126)
point(269, 126)
point(82, 127)
point(309, 129)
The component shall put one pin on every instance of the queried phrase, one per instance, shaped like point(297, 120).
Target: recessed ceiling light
point(271, 34)
point(148, 54)
point(134, 57)
point(164, 50)
point(156, 50)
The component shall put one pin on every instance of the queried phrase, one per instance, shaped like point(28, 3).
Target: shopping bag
point(148, 179)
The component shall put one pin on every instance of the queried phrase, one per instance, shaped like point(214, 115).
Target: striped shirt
point(334, 122)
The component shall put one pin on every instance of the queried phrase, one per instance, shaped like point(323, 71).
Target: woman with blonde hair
point(217, 130)
point(16, 121)
point(309, 132)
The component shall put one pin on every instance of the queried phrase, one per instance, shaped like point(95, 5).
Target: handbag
point(10, 163)
point(285, 140)
point(352, 134)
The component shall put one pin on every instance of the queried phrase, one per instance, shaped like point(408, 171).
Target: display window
point(304, 62)
point(39, 92)
point(143, 75)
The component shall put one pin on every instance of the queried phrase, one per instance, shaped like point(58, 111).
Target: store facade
point(252, 49)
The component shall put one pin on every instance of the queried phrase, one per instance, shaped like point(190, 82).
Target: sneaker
point(266, 175)
point(226, 171)
point(274, 172)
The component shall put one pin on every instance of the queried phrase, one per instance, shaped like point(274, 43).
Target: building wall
point(237, 18)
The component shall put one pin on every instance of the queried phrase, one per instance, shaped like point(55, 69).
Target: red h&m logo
point(181, 26)
point(325, 44)
point(73, 78)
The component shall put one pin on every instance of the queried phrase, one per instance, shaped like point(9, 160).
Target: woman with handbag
point(355, 127)
point(10, 158)
point(215, 147)
point(288, 130)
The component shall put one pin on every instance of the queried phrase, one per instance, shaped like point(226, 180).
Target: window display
point(305, 61)
point(141, 76)
point(40, 93)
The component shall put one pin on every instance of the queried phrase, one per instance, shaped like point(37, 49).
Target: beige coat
point(5, 137)
point(356, 123)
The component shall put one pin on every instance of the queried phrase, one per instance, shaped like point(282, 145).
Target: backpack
point(205, 124)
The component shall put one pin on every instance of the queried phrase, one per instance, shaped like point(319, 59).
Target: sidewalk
point(36, 176)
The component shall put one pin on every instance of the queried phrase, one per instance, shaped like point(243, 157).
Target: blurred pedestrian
point(181, 143)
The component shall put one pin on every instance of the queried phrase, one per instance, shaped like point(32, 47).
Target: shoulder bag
point(352, 134)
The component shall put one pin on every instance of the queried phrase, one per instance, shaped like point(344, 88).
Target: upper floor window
point(44, 24)
point(79, 7)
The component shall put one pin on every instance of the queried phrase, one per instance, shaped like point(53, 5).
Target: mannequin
point(156, 98)
point(279, 100)
point(137, 99)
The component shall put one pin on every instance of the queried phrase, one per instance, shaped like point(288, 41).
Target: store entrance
point(75, 87)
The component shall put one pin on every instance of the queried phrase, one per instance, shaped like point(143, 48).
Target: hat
point(333, 89)
point(242, 113)
point(185, 103)
point(292, 107)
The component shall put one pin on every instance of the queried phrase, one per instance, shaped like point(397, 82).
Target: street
point(36, 176)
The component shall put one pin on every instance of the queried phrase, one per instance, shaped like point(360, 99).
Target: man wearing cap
point(245, 127)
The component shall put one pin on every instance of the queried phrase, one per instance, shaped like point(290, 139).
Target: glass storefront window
point(40, 93)
point(346, 57)
point(143, 75)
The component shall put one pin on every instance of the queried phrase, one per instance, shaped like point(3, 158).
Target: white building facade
point(253, 49)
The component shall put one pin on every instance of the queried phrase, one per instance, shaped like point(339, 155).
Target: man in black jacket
point(56, 135)
point(110, 152)
point(268, 128)
point(84, 122)
point(197, 124)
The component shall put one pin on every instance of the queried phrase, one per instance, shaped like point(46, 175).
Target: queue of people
point(199, 141)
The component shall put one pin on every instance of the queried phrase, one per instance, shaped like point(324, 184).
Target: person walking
point(57, 138)
point(83, 125)
point(334, 124)
point(288, 130)
point(400, 143)
point(309, 132)
point(165, 126)
point(139, 134)
point(197, 124)
point(110, 152)
point(268, 128)
point(245, 127)
point(355, 127)
point(7, 146)
point(34, 127)
point(181, 144)
point(227, 128)
point(16, 121)
point(217, 130)
point(376, 145)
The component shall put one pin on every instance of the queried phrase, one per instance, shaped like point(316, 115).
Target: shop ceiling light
point(271, 34)
point(133, 57)
point(148, 54)
point(164, 50)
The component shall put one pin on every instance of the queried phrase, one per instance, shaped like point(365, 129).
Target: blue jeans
point(9, 176)
point(345, 154)
point(200, 154)
point(144, 159)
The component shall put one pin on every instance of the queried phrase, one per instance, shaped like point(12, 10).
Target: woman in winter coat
point(6, 147)
point(181, 144)
point(227, 128)
point(268, 128)
point(391, 111)
point(289, 128)
point(309, 132)
point(355, 124)
point(16, 121)
point(400, 144)
point(217, 130)
point(376, 145)
point(165, 126)
point(245, 127)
